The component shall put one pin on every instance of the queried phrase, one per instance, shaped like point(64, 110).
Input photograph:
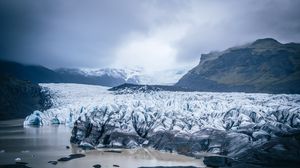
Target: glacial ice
point(34, 119)
point(224, 123)
point(164, 110)
point(55, 120)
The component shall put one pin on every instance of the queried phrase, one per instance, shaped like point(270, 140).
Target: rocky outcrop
point(129, 88)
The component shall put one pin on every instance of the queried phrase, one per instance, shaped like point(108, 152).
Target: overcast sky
point(155, 35)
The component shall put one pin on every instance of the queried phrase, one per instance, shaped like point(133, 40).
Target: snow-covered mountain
point(184, 122)
point(112, 75)
point(128, 75)
point(99, 76)
point(39, 74)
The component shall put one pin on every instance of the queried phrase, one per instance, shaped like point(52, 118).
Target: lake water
point(39, 145)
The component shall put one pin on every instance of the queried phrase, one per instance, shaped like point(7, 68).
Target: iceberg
point(34, 119)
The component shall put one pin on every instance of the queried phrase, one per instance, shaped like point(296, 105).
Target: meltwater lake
point(35, 146)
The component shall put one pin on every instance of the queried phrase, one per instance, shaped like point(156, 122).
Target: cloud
point(155, 35)
point(153, 50)
point(67, 33)
point(218, 26)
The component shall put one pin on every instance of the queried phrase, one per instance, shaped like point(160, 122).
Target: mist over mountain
point(265, 65)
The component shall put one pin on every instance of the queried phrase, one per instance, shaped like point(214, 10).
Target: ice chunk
point(55, 120)
point(34, 119)
point(261, 135)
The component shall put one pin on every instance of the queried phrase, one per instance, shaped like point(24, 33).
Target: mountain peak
point(266, 42)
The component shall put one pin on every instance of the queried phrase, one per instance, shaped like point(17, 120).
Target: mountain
point(33, 73)
point(265, 66)
point(20, 98)
point(39, 74)
point(104, 77)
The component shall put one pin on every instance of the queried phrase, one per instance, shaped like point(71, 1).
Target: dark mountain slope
point(133, 88)
point(263, 66)
point(20, 98)
point(33, 73)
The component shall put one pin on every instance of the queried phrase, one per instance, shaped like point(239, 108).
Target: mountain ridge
point(262, 66)
point(41, 74)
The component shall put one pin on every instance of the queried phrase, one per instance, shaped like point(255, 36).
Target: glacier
point(188, 123)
